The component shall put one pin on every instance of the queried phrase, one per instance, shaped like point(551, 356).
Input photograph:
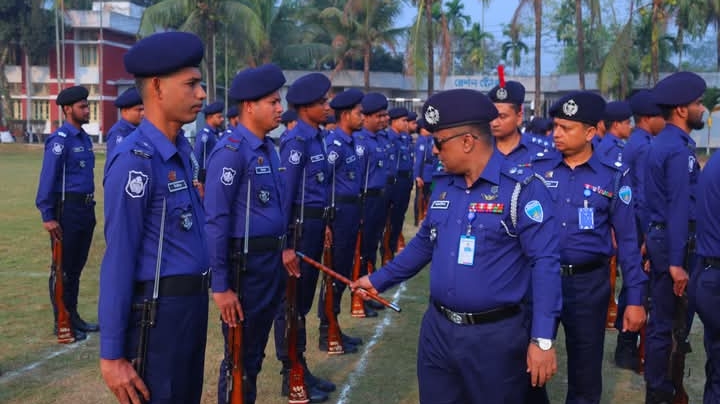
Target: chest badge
point(186, 221)
point(172, 176)
point(264, 196)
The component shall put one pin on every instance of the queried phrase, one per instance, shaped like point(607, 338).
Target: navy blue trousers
point(399, 202)
point(374, 218)
point(175, 361)
point(705, 295)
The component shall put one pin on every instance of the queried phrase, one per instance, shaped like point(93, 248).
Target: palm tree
point(474, 49)
point(514, 47)
point(515, 27)
point(456, 23)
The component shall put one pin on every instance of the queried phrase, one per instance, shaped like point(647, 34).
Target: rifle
point(297, 393)
point(357, 307)
point(65, 333)
point(334, 344)
point(387, 252)
point(680, 331)
point(234, 373)
point(612, 304)
point(330, 272)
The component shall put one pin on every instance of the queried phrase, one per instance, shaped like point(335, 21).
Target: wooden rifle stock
point(401, 243)
point(387, 252)
point(334, 342)
point(423, 204)
point(612, 304)
point(680, 347)
point(234, 393)
point(65, 334)
point(357, 307)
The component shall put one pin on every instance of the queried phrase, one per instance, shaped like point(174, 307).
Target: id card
point(586, 218)
point(466, 251)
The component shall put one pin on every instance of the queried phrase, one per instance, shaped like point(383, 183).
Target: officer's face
point(373, 122)
point(507, 122)
point(78, 112)
point(318, 111)
point(400, 125)
point(571, 137)
point(412, 127)
point(451, 146)
point(216, 120)
point(266, 112)
point(656, 124)
point(134, 114)
point(695, 113)
point(384, 119)
point(179, 94)
point(622, 129)
point(355, 118)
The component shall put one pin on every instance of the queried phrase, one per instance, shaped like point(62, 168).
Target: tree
point(513, 49)
point(515, 27)
point(474, 50)
point(457, 22)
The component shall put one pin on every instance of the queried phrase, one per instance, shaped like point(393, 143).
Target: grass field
point(36, 370)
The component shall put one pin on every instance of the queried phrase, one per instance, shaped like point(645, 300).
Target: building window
point(41, 60)
point(16, 109)
point(92, 88)
point(40, 110)
point(94, 111)
point(86, 35)
point(88, 55)
point(15, 88)
point(40, 89)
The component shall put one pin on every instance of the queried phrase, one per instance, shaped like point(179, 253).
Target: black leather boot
point(80, 324)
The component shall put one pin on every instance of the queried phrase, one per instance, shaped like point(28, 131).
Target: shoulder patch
point(625, 194)
point(294, 157)
point(534, 211)
point(135, 187)
point(57, 148)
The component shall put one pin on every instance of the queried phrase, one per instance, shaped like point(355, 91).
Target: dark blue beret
point(421, 123)
point(679, 88)
point(308, 89)
point(457, 107)
point(617, 111)
point(643, 104)
point(397, 112)
point(512, 93)
point(164, 53)
point(71, 95)
point(232, 111)
point(412, 116)
point(254, 83)
point(373, 102)
point(544, 125)
point(580, 106)
point(128, 99)
point(214, 108)
point(330, 119)
point(348, 99)
point(288, 116)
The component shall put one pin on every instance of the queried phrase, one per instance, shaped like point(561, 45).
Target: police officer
point(232, 119)
point(488, 225)
point(306, 191)
point(648, 123)
point(412, 124)
point(617, 121)
point(330, 124)
point(592, 198)
point(289, 119)
point(65, 199)
point(346, 175)
point(131, 113)
point(245, 166)
point(424, 166)
point(209, 135)
point(670, 192)
point(707, 273)
point(505, 128)
point(154, 234)
point(399, 192)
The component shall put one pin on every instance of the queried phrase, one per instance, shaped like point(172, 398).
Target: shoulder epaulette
point(337, 142)
point(231, 147)
point(62, 134)
point(143, 149)
point(141, 153)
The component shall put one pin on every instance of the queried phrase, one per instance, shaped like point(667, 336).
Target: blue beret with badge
point(451, 108)
point(617, 111)
point(71, 95)
point(642, 103)
point(232, 111)
point(373, 102)
point(330, 119)
point(164, 53)
point(128, 99)
point(512, 93)
point(681, 88)
point(252, 84)
point(579, 106)
point(397, 112)
point(412, 116)
point(288, 116)
point(308, 89)
point(214, 108)
point(348, 99)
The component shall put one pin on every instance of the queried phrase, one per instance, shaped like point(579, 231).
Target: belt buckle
point(567, 270)
point(281, 241)
point(455, 317)
point(88, 198)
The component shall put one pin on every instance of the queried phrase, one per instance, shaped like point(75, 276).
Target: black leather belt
point(347, 198)
point(662, 226)
point(391, 180)
point(310, 212)
point(78, 197)
point(176, 285)
point(374, 192)
point(404, 173)
point(259, 245)
point(711, 262)
point(572, 269)
point(489, 316)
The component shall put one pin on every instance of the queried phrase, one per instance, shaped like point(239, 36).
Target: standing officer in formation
point(208, 137)
point(617, 121)
point(65, 199)
point(591, 197)
point(412, 125)
point(131, 113)
point(424, 167)
point(346, 175)
point(289, 119)
point(244, 166)
point(232, 119)
point(489, 237)
point(399, 195)
point(670, 193)
point(306, 198)
point(154, 233)
point(506, 127)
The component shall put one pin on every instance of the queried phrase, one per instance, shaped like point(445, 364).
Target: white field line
point(6, 377)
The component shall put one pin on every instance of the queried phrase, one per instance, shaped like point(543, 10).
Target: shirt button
point(564, 224)
point(459, 221)
point(567, 200)
point(467, 191)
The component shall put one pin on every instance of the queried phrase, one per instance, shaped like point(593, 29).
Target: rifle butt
point(612, 304)
point(65, 333)
point(297, 391)
point(235, 383)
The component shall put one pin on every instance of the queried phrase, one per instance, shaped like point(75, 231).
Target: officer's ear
point(590, 132)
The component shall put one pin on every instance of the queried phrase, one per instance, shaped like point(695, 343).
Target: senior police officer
point(592, 197)
point(399, 192)
point(156, 247)
point(306, 198)
point(207, 138)
point(505, 128)
point(617, 121)
point(489, 234)
point(131, 113)
point(65, 199)
point(244, 199)
point(670, 190)
point(423, 168)
point(346, 176)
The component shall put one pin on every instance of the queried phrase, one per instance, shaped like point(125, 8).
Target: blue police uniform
point(480, 240)
point(151, 208)
point(65, 193)
point(612, 147)
point(240, 165)
point(128, 99)
point(707, 273)
point(207, 138)
point(399, 192)
point(424, 166)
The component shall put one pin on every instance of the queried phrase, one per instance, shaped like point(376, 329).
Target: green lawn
point(35, 369)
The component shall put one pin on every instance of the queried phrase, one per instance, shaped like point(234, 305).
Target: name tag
point(78, 149)
point(350, 159)
point(178, 185)
point(440, 205)
point(316, 158)
point(259, 170)
point(466, 250)
point(551, 184)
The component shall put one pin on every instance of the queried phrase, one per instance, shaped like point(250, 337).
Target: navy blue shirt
point(145, 170)
point(526, 150)
point(708, 206)
point(670, 186)
point(373, 157)
point(205, 141)
point(425, 160)
point(611, 149)
point(510, 255)
point(635, 158)
point(403, 150)
point(348, 169)
point(387, 141)
point(604, 188)
point(117, 133)
point(238, 159)
point(68, 160)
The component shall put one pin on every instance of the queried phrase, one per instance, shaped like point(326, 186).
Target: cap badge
point(570, 108)
point(501, 93)
point(432, 115)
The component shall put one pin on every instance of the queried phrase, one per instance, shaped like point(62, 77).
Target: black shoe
point(79, 334)
point(347, 348)
point(314, 382)
point(369, 312)
point(658, 396)
point(80, 324)
point(626, 352)
point(375, 305)
point(346, 339)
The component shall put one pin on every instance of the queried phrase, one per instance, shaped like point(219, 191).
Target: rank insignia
point(260, 160)
point(489, 197)
point(443, 195)
point(172, 176)
point(486, 207)
point(549, 174)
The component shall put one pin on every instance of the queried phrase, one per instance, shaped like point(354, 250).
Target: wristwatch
point(544, 344)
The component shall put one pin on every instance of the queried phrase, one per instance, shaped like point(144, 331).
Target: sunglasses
point(439, 142)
